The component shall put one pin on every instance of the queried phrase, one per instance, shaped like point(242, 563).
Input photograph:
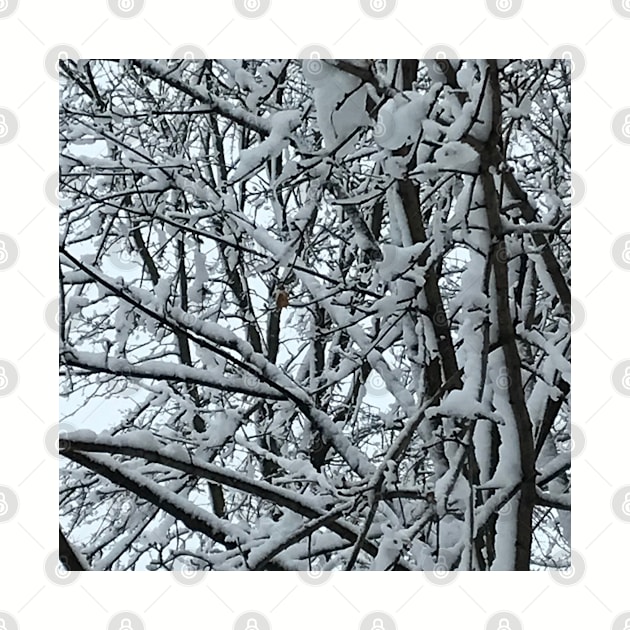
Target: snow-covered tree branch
point(315, 315)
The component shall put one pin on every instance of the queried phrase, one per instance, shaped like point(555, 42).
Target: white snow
point(141, 438)
point(252, 159)
point(457, 155)
point(339, 100)
point(401, 119)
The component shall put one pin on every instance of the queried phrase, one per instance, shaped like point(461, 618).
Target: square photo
point(315, 315)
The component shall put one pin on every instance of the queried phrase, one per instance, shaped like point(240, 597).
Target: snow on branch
point(315, 314)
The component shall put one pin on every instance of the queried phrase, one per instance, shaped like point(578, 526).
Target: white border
point(288, 27)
